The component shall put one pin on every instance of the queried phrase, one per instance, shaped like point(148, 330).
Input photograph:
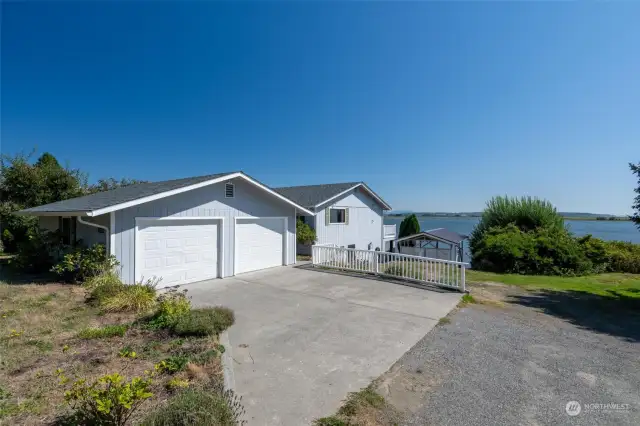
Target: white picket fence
point(445, 273)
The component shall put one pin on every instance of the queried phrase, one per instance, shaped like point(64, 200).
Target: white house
point(214, 226)
point(183, 230)
point(347, 215)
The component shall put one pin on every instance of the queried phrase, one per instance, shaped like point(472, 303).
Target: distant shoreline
point(593, 219)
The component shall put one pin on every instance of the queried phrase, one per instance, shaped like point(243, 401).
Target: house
point(347, 215)
point(184, 230)
point(439, 243)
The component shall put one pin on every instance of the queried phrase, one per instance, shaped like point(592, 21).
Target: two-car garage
point(183, 250)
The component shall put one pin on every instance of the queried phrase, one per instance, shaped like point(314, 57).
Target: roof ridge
point(319, 184)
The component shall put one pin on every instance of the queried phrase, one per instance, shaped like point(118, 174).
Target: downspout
point(95, 225)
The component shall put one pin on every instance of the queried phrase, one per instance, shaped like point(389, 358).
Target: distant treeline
point(568, 216)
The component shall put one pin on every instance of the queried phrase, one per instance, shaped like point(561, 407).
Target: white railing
point(389, 231)
point(445, 273)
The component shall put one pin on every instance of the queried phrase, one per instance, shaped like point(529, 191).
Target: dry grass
point(39, 333)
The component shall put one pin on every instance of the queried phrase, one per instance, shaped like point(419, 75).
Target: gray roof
point(121, 195)
point(439, 233)
point(312, 195)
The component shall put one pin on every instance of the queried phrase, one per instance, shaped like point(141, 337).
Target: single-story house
point(346, 215)
point(183, 230)
point(439, 243)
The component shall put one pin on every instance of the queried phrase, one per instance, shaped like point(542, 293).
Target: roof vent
point(229, 190)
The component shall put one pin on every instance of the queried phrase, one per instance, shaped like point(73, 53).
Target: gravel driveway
point(508, 364)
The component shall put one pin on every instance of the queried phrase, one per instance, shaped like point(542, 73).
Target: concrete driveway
point(303, 338)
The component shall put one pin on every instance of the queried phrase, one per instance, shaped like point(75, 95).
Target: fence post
point(462, 279)
point(375, 261)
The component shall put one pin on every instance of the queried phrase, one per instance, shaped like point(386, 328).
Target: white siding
point(365, 222)
point(208, 201)
point(91, 235)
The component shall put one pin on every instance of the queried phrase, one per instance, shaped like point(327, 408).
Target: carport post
point(462, 278)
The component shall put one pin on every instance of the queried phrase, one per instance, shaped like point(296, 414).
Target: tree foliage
point(409, 226)
point(26, 183)
point(635, 168)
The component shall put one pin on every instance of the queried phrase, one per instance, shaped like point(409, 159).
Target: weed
point(140, 297)
point(173, 364)
point(103, 332)
point(444, 320)
point(173, 305)
point(467, 298)
point(177, 383)
point(42, 345)
point(204, 357)
point(330, 421)
point(204, 322)
point(127, 352)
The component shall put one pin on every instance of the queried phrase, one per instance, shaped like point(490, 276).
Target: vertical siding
point(208, 201)
point(365, 222)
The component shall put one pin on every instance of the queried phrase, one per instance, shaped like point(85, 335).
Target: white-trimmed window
point(337, 216)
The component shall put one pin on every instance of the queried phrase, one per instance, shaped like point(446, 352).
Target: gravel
point(514, 365)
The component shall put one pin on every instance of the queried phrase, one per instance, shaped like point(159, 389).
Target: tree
point(304, 234)
point(635, 168)
point(111, 183)
point(409, 226)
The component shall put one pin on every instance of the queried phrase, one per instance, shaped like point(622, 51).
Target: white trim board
point(285, 237)
point(373, 195)
point(136, 248)
point(192, 187)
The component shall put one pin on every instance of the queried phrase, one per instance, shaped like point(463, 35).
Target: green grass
point(467, 298)
point(627, 285)
point(103, 332)
point(204, 322)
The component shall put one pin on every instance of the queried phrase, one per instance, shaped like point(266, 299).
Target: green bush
point(623, 256)
point(103, 332)
point(199, 407)
point(38, 251)
point(304, 233)
point(540, 251)
point(110, 400)
point(172, 305)
point(84, 263)
point(204, 322)
point(102, 287)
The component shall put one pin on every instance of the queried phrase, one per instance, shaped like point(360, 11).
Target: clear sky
point(437, 106)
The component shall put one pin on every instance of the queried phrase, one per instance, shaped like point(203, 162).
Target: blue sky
point(437, 106)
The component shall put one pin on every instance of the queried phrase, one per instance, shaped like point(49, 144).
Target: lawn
point(624, 285)
point(50, 336)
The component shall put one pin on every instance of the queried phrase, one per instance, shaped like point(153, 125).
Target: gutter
point(106, 232)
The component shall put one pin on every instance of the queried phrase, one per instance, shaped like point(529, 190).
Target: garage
point(179, 251)
point(260, 243)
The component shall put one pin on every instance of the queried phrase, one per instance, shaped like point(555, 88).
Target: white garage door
point(259, 244)
point(179, 251)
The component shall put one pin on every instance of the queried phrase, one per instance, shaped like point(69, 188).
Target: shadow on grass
point(615, 313)
point(8, 275)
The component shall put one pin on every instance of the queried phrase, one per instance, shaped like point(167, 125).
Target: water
point(606, 230)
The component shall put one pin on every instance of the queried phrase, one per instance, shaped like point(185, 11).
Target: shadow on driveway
point(616, 313)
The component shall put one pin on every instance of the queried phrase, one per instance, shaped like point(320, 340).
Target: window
point(302, 219)
point(229, 190)
point(337, 216)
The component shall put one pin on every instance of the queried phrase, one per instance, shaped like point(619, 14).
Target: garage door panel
point(178, 252)
point(259, 244)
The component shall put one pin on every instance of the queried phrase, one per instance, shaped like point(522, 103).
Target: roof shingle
point(312, 195)
point(121, 195)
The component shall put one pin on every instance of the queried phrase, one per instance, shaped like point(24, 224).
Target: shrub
point(204, 322)
point(199, 407)
point(84, 263)
point(103, 332)
point(139, 297)
point(108, 401)
point(172, 305)
point(541, 251)
point(409, 226)
point(304, 233)
point(623, 256)
point(38, 251)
